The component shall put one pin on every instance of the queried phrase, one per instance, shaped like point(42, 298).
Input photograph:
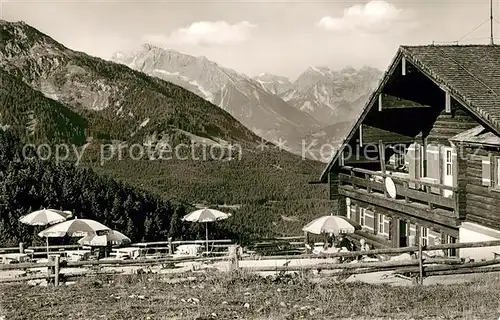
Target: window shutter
point(433, 159)
point(348, 207)
point(413, 229)
point(486, 171)
point(454, 169)
point(413, 162)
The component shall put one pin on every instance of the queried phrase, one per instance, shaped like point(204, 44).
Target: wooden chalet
point(433, 127)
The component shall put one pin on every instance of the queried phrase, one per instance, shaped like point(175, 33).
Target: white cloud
point(207, 33)
point(372, 17)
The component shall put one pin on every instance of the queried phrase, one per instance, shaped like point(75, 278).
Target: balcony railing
point(408, 190)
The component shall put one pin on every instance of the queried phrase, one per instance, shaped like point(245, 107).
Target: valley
point(52, 96)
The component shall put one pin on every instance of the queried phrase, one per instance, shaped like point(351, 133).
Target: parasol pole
point(47, 243)
point(206, 235)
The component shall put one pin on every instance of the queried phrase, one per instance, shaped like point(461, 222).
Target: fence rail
point(420, 267)
point(38, 248)
point(159, 245)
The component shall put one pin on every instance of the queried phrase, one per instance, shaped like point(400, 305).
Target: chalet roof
point(478, 135)
point(471, 74)
point(376, 134)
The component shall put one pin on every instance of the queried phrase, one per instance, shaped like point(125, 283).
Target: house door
point(448, 170)
point(403, 234)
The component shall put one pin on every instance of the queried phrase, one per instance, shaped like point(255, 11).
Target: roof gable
point(471, 74)
point(477, 136)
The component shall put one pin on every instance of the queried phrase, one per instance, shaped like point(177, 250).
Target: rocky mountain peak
point(249, 100)
point(349, 70)
point(331, 96)
point(133, 104)
point(273, 83)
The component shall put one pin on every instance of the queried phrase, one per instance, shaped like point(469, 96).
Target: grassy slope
point(225, 298)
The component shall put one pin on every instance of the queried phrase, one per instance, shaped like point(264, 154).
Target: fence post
point(50, 268)
point(420, 263)
point(235, 257)
point(170, 246)
point(21, 247)
point(56, 270)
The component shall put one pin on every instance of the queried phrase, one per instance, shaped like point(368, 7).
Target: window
point(369, 220)
point(449, 162)
point(451, 252)
point(352, 213)
point(399, 160)
point(380, 219)
point(491, 172)
point(382, 225)
point(362, 216)
point(423, 235)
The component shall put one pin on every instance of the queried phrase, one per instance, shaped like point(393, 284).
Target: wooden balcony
point(420, 198)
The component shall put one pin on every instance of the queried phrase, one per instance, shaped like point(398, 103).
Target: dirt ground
point(245, 296)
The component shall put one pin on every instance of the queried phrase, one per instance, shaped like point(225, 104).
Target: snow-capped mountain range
point(332, 96)
point(270, 105)
point(265, 113)
point(273, 83)
point(109, 100)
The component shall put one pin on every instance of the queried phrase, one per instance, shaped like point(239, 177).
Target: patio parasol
point(45, 217)
point(112, 237)
point(206, 215)
point(331, 224)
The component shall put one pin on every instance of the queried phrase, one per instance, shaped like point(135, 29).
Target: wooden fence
point(418, 268)
point(38, 250)
point(167, 246)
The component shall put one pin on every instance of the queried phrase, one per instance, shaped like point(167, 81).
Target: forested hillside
point(33, 117)
point(27, 185)
point(259, 176)
point(30, 184)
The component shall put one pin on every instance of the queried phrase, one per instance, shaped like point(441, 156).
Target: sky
point(280, 37)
